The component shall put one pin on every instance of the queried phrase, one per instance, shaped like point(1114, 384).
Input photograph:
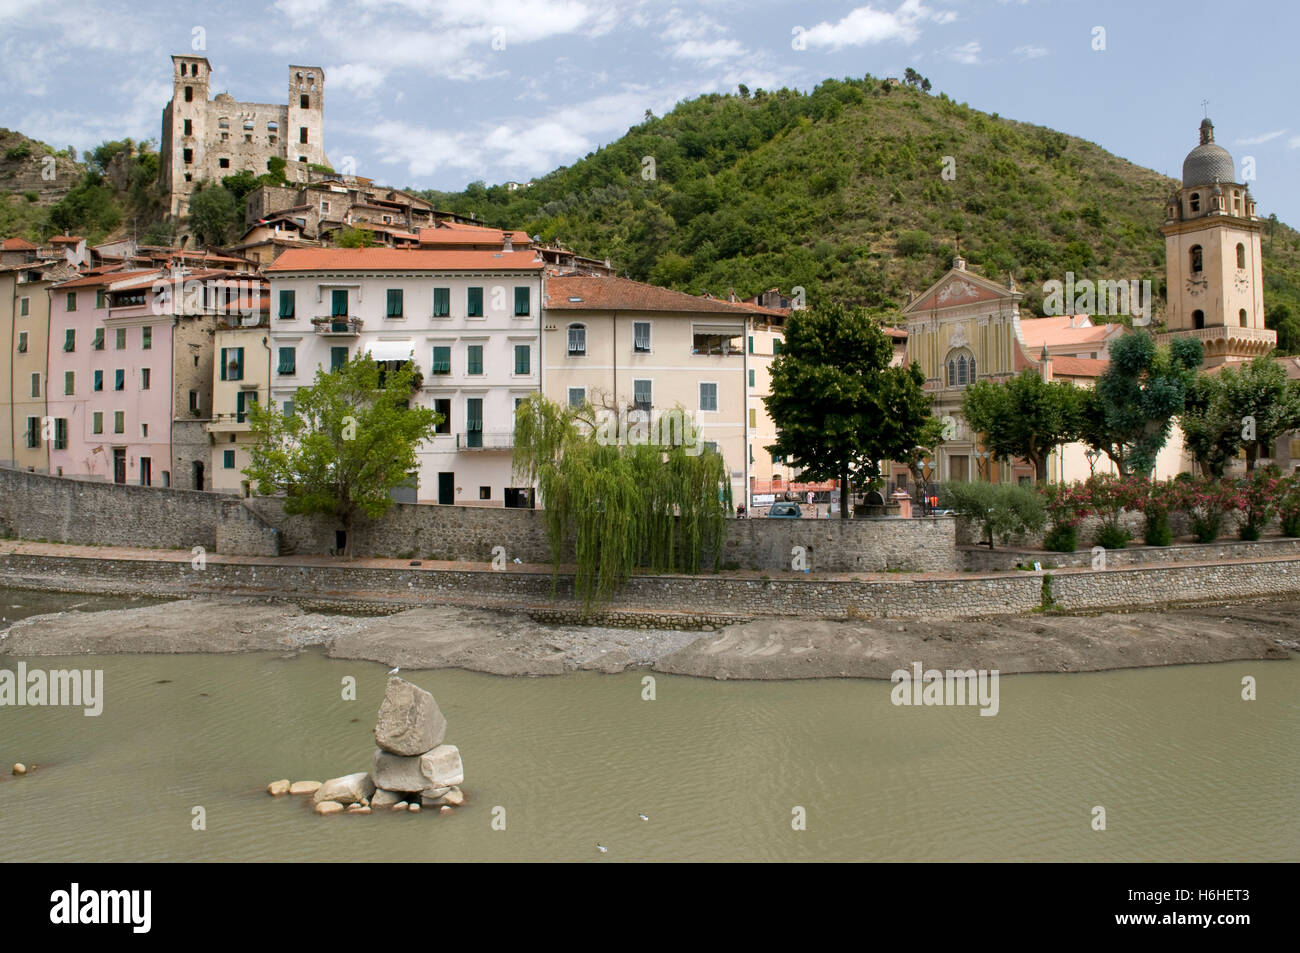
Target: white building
point(470, 322)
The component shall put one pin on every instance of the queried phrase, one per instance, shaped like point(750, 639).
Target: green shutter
point(394, 302)
point(224, 361)
point(99, 339)
point(441, 302)
point(522, 301)
point(751, 344)
point(776, 346)
point(441, 360)
point(287, 362)
point(286, 304)
point(475, 359)
point(70, 340)
point(474, 303)
point(339, 303)
point(751, 377)
point(338, 357)
point(523, 355)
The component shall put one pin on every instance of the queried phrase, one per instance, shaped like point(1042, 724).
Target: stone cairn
point(413, 769)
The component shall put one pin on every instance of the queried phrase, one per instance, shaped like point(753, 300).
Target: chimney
point(508, 241)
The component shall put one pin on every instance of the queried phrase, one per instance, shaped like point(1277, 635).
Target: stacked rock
point(413, 769)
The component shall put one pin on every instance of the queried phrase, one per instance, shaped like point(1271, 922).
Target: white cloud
point(968, 53)
point(700, 39)
point(867, 25)
point(1293, 142)
point(1260, 139)
point(362, 78)
point(1029, 52)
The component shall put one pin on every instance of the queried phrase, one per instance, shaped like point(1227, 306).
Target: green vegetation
point(1001, 509)
point(352, 237)
point(1024, 417)
point(349, 443)
point(835, 189)
point(643, 504)
point(1239, 409)
point(838, 406)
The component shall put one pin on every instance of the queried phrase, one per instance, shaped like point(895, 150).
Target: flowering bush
point(1288, 506)
point(1154, 504)
point(1108, 497)
point(1067, 506)
point(1206, 502)
point(1258, 494)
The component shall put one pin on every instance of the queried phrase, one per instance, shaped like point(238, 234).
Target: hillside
point(840, 191)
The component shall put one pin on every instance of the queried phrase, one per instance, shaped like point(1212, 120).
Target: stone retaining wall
point(979, 559)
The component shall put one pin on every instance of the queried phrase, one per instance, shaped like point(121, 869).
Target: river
point(1184, 768)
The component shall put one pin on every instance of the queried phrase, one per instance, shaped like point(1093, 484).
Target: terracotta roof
point(1078, 367)
point(106, 277)
point(898, 334)
point(17, 244)
point(402, 259)
point(751, 306)
point(66, 239)
point(1061, 332)
point(623, 294)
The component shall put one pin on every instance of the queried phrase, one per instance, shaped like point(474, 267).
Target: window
point(144, 378)
point(146, 471)
point(1241, 316)
point(189, 95)
point(188, 156)
point(223, 163)
point(1198, 319)
point(119, 339)
point(69, 383)
point(523, 303)
point(441, 302)
point(1195, 201)
point(61, 433)
point(33, 432)
point(751, 344)
point(961, 368)
point(474, 359)
point(473, 303)
point(753, 420)
point(288, 362)
point(523, 359)
point(99, 381)
point(242, 400)
point(338, 357)
point(442, 407)
point(710, 446)
point(69, 340)
point(339, 303)
point(36, 385)
point(194, 402)
point(713, 342)
point(1196, 259)
point(146, 338)
point(304, 102)
point(144, 430)
point(577, 396)
point(188, 129)
point(232, 363)
point(485, 493)
point(302, 133)
point(441, 360)
point(708, 395)
point(286, 304)
point(71, 301)
point(1241, 255)
point(777, 346)
point(751, 377)
point(22, 342)
point(228, 459)
point(98, 343)
point(577, 340)
point(24, 306)
point(97, 422)
point(642, 395)
point(119, 379)
point(101, 299)
point(474, 422)
point(288, 408)
point(641, 337)
point(394, 303)
point(119, 421)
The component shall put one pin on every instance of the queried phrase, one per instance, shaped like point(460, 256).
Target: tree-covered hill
point(842, 191)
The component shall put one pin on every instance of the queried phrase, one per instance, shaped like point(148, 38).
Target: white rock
point(455, 797)
point(349, 789)
point(385, 798)
point(395, 772)
point(20, 769)
point(278, 788)
point(304, 787)
point(442, 766)
point(446, 810)
point(414, 808)
point(329, 807)
point(409, 721)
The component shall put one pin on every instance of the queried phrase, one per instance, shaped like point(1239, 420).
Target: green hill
point(840, 191)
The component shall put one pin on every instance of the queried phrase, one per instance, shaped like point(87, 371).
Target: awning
point(390, 350)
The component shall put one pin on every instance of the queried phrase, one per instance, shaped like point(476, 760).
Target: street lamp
point(923, 475)
point(982, 464)
point(1093, 456)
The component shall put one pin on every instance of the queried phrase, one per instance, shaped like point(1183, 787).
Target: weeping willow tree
point(623, 503)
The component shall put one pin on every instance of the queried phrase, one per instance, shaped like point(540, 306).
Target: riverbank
point(513, 644)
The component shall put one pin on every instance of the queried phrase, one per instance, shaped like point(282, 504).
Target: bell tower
point(1213, 260)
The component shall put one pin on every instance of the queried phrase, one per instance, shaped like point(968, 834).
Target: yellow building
point(242, 353)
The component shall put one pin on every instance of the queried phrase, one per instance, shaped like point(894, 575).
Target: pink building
point(130, 375)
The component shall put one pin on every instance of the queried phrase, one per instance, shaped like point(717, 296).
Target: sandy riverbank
point(509, 644)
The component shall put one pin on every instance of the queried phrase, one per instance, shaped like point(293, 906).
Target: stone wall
point(668, 601)
point(979, 559)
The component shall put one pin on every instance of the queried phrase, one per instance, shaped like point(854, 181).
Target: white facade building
point(470, 322)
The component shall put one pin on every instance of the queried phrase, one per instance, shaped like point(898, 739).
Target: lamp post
point(1093, 456)
point(982, 464)
point(923, 474)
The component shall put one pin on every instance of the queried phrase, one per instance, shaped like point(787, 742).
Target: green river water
point(1185, 769)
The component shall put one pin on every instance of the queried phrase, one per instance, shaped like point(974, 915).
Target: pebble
point(414, 808)
point(446, 810)
point(329, 807)
point(277, 788)
point(304, 787)
point(20, 769)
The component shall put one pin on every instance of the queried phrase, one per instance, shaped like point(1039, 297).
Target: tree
point(1287, 325)
point(1129, 414)
point(1024, 417)
point(838, 405)
point(349, 442)
point(1240, 409)
point(214, 214)
point(350, 237)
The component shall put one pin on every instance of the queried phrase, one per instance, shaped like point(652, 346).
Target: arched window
point(1196, 259)
point(952, 373)
point(961, 368)
point(1195, 201)
point(1241, 255)
point(1241, 316)
point(1198, 319)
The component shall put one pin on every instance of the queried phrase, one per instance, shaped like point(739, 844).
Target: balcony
point(337, 326)
point(1221, 342)
point(485, 440)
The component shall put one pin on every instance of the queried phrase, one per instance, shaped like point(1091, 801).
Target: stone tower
point(185, 132)
point(1212, 258)
point(305, 124)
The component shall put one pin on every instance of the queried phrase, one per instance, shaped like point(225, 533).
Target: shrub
point(1154, 504)
point(1259, 494)
point(1288, 507)
point(1062, 539)
point(1206, 502)
point(1112, 537)
point(1001, 509)
point(1108, 496)
point(1067, 505)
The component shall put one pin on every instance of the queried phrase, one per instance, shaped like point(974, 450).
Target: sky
point(439, 93)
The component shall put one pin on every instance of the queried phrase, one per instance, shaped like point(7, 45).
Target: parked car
point(785, 511)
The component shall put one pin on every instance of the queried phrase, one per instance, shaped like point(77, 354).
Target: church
point(965, 327)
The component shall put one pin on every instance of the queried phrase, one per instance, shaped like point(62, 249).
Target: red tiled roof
point(106, 277)
point(1059, 332)
point(66, 239)
point(623, 294)
point(403, 259)
point(1078, 367)
point(898, 334)
point(16, 244)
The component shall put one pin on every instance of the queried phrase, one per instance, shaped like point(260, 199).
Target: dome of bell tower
point(1208, 162)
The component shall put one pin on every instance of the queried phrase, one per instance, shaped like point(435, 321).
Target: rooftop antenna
point(1205, 107)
